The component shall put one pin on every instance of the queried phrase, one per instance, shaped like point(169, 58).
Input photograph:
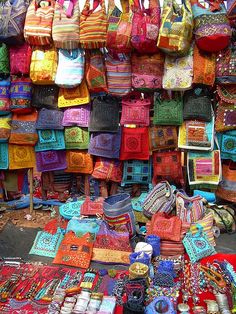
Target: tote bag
point(21, 95)
point(20, 58)
point(79, 161)
point(4, 96)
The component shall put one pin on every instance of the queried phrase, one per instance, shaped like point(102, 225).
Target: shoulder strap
point(70, 9)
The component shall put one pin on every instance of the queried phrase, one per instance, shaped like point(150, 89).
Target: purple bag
point(49, 120)
point(77, 116)
point(51, 160)
point(105, 144)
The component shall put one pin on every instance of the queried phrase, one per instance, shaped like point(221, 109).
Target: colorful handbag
point(227, 143)
point(51, 160)
point(160, 199)
point(204, 65)
point(38, 23)
point(105, 144)
point(227, 187)
point(77, 116)
point(197, 104)
point(104, 114)
point(119, 27)
point(211, 26)
point(45, 96)
point(43, 65)
point(65, 26)
point(189, 209)
point(135, 109)
point(21, 95)
point(4, 61)
point(50, 140)
point(168, 111)
point(108, 169)
point(80, 226)
point(134, 144)
point(225, 117)
point(137, 171)
point(93, 25)
point(76, 137)
point(95, 72)
point(4, 158)
point(204, 168)
point(71, 209)
point(118, 211)
point(23, 131)
point(74, 251)
point(147, 71)
point(13, 19)
point(198, 245)
point(166, 227)
point(21, 156)
point(20, 58)
point(118, 67)
point(167, 166)
point(162, 137)
point(145, 26)
point(175, 33)
point(5, 128)
point(79, 162)
point(137, 203)
point(70, 97)
point(5, 96)
point(49, 120)
point(178, 72)
point(92, 207)
point(70, 69)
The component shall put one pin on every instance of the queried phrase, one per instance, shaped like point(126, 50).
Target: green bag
point(76, 138)
point(4, 61)
point(168, 111)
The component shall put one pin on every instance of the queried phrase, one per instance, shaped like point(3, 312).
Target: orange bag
point(79, 162)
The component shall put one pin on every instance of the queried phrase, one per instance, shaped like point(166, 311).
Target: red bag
point(20, 59)
point(92, 208)
point(145, 26)
point(108, 169)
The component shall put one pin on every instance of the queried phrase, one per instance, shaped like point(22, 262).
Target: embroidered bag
point(43, 65)
point(92, 207)
point(13, 19)
point(160, 199)
point(20, 58)
point(204, 168)
point(70, 97)
point(71, 209)
point(93, 25)
point(74, 251)
point(119, 27)
point(4, 158)
point(51, 160)
point(21, 156)
point(65, 27)
point(227, 143)
point(50, 140)
point(135, 109)
point(108, 169)
point(4, 61)
point(231, 9)
point(118, 67)
point(95, 72)
point(116, 247)
point(225, 117)
point(79, 162)
point(145, 26)
point(167, 166)
point(211, 26)
point(38, 23)
point(118, 211)
point(70, 70)
point(23, 131)
point(204, 64)
point(168, 111)
point(162, 137)
point(175, 33)
point(45, 96)
point(76, 137)
point(134, 144)
point(166, 227)
point(137, 203)
point(178, 72)
point(77, 116)
point(226, 188)
point(5, 128)
point(5, 96)
point(105, 144)
point(49, 120)
point(198, 245)
point(147, 71)
point(20, 95)
point(137, 171)
point(81, 226)
point(104, 114)
point(189, 209)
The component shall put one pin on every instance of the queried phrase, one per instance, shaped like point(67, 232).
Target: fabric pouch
point(20, 95)
point(45, 96)
point(51, 160)
point(4, 156)
point(92, 207)
point(70, 97)
point(50, 140)
point(5, 128)
point(49, 120)
point(82, 226)
point(189, 209)
point(21, 157)
point(77, 116)
point(79, 162)
point(227, 143)
point(76, 137)
point(20, 58)
point(137, 171)
point(71, 209)
point(108, 169)
point(162, 137)
point(5, 96)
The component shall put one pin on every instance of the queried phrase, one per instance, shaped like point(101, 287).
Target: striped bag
point(65, 27)
point(93, 25)
point(118, 74)
point(38, 23)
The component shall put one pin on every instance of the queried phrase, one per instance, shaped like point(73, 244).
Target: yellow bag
point(21, 156)
point(5, 128)
point(43, 65)
point(69, 97)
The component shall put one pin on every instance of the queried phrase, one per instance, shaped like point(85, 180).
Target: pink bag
point(77, 116)
point(145, 26)
point(20, 58)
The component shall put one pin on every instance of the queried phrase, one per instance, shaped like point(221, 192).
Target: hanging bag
point(49, 120)
point(79, 162)
point(21, 95)
point(226, 188)
point(45, 96)
point(5, 96)
point(162, 137)
point(76, 137)
point(77, 116)
point(20, 59)
point(108, 169)
point(4, 61)
point(5, 128)
point(69, 97)
point(227, 143)
point(51, 160)
point(137, 172)
point(50, 139)
point(189, 209)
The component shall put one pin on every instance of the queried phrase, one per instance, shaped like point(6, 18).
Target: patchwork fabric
point(108, 169)
point(162, 137)
point(137, 171)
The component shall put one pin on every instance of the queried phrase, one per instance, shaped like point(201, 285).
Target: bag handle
point(125, 4)
point(226, 227)
point(87, 11)
point(69, 11)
